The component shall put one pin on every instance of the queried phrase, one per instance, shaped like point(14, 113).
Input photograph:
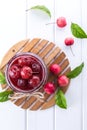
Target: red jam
point(26, 72)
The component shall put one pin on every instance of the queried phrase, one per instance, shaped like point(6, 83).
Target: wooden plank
point(20, 101)
point(38, 104)
point(30, 44)
point(4, 86)
point(49, 104)
point(51, 55)
point(30, 101)
point(12, 51)
point(40, 46)
point(60, 58)
point(64, 65)
point(47, 50)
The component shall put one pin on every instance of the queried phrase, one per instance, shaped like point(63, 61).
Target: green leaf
point(42, 8)
point(60, 99)
point(4, 96)
point(77, 31)
point(75, 72)
point(2, 78)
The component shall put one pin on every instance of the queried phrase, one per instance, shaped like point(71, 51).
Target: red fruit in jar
point(69, 41)
point(24, 61)
point(63, 81)
point(21, 83)
point(61, 22)
point(55, 68)
point(26, 72)
point(49, 88)
point(36, 67)
point(14, 72)
point(28, 61)
point(34, 81)
point(21, 61)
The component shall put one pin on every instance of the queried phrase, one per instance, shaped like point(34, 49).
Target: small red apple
point(63, 81)
point(49, 88)
point(55, 68)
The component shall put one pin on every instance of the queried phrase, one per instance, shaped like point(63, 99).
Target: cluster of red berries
point(25, 73)
point(61, 23)
point(62, 80)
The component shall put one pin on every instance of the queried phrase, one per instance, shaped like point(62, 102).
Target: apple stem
point(72, 51)
point(50, 23)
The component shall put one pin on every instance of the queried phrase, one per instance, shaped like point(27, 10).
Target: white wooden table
point(16, 24)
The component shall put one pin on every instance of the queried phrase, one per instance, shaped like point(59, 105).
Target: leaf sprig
point(77, 31)
point(75, 72)
point(2, 78)
point(4, 96)
point(60, 99)
point(42, 8)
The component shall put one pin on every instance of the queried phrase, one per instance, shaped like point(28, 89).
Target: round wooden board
point(50, 54)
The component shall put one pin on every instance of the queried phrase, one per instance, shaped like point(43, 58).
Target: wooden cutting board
point(50, 53)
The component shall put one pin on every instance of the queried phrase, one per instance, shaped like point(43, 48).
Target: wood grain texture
point(12, 51)
point(50, 54)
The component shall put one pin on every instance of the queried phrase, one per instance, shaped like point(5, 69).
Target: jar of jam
point(26, 72)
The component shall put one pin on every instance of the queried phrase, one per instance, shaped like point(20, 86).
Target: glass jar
point(26, 72)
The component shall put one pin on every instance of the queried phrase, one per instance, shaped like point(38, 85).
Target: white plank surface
point(12, 30)
point(72, 117)
point(84, 58)
point(40, 120)
point(17, 24)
